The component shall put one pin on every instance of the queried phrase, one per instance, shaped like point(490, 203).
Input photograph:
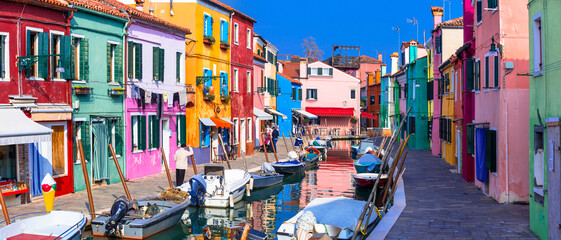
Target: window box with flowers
point(225, 98)
point(82, 90)
point(224, 45)
point(208, 97)
point(209, 40)
point(117, 91)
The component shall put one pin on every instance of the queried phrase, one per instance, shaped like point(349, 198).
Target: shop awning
point(207, 122)
point(275, 112)
point(331, 112)
point(305, 114)
point(227, 120)
point(262, 115)
point(367, 115)
point(221, 123)
point(16, 128)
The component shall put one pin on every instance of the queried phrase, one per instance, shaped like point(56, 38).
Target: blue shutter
point(205, 28)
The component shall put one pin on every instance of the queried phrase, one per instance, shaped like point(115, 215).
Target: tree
point(311, 49)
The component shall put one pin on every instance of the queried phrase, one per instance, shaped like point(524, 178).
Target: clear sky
point(367, 23)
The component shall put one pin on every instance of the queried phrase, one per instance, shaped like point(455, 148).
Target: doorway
point(100, 141)
point(242, 136)
point(166, 136)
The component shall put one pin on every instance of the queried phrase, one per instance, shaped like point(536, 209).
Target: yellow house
point(447, 129)
point(207, 68)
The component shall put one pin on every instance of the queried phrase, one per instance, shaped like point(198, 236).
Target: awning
point(221, 123)
point(368, 115)
point(305, 114)
point(262, 115)
point(227, 120)
point(207, 122)
point(331, 112)
point(16, 128)
point(275, 112)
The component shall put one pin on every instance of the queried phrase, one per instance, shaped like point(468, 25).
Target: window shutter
point(84, 64)
point(119, 137)
point(205, 30)
point(28, 51)
point(320, 71)
point(142, 133)
point(479, 10)
point(178, 67)
point(43, 63)
point(2, 55)
point(331, 71)
point(108, 62)
point(183, 130)
point(161, 68)
point(53, 59)
point(138, 61)
point(155, 63)
point(469, 74)
point(292, 94)
point(430, 90)
point(496, 82)
point(309, 71)
point(130, 59)
point(86, 145)
point(132, 131)
point(300, 94)
point(470, 137)
point(69, 67)
point(487, 71)
point(210, 26)
point(119, 63)
point(477, 75)
point(156, 129)
point(492, 3)
point(491, 150)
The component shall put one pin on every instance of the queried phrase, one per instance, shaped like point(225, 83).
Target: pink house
point(333, 96)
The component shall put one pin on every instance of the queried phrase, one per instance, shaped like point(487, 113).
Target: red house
point(34, 48)
point(242, 88)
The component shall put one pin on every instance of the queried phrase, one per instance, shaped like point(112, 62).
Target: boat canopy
point(16, 128)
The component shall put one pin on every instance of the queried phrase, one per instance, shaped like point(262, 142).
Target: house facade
point(447, 92)
point(415, 90)
point(289, 104)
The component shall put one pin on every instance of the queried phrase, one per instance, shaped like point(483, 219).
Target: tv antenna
point(414, 21)
point(398, 30)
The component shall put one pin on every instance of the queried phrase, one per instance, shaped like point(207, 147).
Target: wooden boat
point(53, 225)
point(289, 167)
point(365, 162)
point(263, 180)
point(368, 179)
point(217, 187)
point(139, 224)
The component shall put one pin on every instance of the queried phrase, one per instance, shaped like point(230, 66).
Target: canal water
point(268, 208)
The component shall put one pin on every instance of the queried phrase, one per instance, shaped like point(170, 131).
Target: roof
point(367, 59)
point(259, 57)
point(220, 4)
point(456, 22)
point(291, 69)
point(53, 4)
point(290, 79)
point(447, 62)
point(147, 17)
point(407, 44)
point(100, 6)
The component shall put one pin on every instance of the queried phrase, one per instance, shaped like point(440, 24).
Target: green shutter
point(52, 52)
point(71, 63)
point(496, 82)
point(84, 62)
point(300, 94)
point(119, 137)
point(470, 139)
point(487, 71)
point(2, 55)
point(86, 144)
point(132, 132)
point(43, 63)
point(491, 150)
point(28, 51)
point(108, 62)
point(130, 59)
point(156, 131)
point(182, 130)
point(161, 59)
point(492, 3)
point(293, 94)
point(142, 133)
point(309, 71)
point(320, 71)
point(469, 74)
point(331, 71)
point(119, 63)
point(155, 61)
point(477, 75)
point(479, 7)
point(178, 67)
point(138, 61)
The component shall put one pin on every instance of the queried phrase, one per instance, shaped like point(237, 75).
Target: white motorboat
point(217, 187)
point(54, 225)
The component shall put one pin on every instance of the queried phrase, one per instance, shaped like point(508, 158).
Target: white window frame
point(113, 47)
point(538, 46)
point(52, 124)
point(59, 34)
point(314, 71)
point(248, 82)
point(205, 26)
point(316, 94)
point(236, 130)
point(248, 40)
point(78, 122)
point(236, 33)
point(227, 27)
point(135, 133)
point(235, 81)
point(6, 57)
point(249, 127)
point(35, 74)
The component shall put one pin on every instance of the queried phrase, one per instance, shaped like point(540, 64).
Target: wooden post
point(86, 179)
point(193, 163)
point(167, 168)
point(224, 150)
point(274, 150)
point(291, 142)
point(4, 208)
point(120, 173)
point(395, 181)
point(392, 194)
point(393, 167)
point(285, 145)
point(265, 148)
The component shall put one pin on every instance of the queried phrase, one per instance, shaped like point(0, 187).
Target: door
point(553, 179)
point(215, 144)
point(242, 136)
point(100, 148)
point(459, 149)
point(58, 157)
point(166, 136)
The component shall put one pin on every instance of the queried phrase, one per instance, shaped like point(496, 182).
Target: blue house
point(288, 101)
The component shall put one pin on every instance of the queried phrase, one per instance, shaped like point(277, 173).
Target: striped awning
point(367, 115)
point(16, 128)
point(305, 114)
point(221, 123)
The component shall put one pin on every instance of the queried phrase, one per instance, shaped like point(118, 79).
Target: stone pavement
point(103, 196)
point(441, 205)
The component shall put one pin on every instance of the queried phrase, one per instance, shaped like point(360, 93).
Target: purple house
point(156, 94)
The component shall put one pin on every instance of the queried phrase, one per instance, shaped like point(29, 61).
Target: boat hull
point(368, 179)
point(263, 180)
point(289, 167)
point(63, 224)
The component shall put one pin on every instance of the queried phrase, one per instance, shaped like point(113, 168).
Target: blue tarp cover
point(480, 167)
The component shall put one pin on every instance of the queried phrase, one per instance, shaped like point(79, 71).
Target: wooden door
point(553, 178)
point(58, 161)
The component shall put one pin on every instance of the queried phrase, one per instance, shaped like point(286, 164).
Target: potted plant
point(224, 45)
point(225, 98)
point(209, 97)
point(117, 91)
point(354, 120)
point(209, 40)
point(82, 90)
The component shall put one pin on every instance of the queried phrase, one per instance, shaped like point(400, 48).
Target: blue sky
point(367, 23)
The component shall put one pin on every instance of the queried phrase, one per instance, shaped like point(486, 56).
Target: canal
point(268, 208)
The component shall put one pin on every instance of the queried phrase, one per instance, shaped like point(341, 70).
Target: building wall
point(258, 98)
point(416, 79)
point(285, 104)
point(468, 160)
point(448, 147)
point(458, 112)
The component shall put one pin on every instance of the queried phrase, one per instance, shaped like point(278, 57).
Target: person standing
point(181, 156)
point(275, 136)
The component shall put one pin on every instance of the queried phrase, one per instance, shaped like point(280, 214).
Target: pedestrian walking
point(275, 136)
point(181, 156)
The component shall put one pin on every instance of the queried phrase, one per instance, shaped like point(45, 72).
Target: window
point(208, 21)
point(492, 4)
point(270, 57)
point(249, 132)
point(236, 33)
point(248, 82)
point(470, 81)
point(224, 84)
point(4, 59)
point(138, 132)
point(248, 39)
point(134, 55)
point(299, 94)
point(236, 130)
point(538, 45)
point(477, 75)
point(293, 94)
point(479, 10)
point(372, 100)
point(496, 71)
point(158, 56)
point(180, 130)
point(153, 132)
point(8, 162)
point(114, 62)
point(486, 71)
point(438, 44)
point(38, 44)
point(411, 125)
point(470, 139)
point(353, 94)
point(55, 49)
point(204, 136)
point(235, 81)
point(311, 94)
point(208, 80)
point(78, 129)
point(79, 64)
point(223, 31)
point(178, 67)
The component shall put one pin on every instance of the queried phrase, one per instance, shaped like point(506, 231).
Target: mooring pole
point(86, 179)
point(120, 173)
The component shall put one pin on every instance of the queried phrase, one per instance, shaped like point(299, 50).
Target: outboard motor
point(198, 190)
point(118, 211)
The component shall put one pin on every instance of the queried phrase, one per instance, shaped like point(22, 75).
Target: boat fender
point(247, 190)
point(251, 183)
point(231, 200)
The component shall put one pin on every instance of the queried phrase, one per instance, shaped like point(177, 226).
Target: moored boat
point(263, 180)
point(53, 225)
point(289, 167)
point(368, 179)
point(367, 163)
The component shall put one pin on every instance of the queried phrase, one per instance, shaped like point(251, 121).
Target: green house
point(96, 70)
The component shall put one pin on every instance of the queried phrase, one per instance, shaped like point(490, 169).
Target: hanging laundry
point(169, 100)
point(175, 98)
point(480, 166)
point(160, 105)
point(142, 95)
point(154, 98)
point(182, 98)
point(148, 97)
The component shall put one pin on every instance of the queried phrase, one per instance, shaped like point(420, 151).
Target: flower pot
point(82, 90)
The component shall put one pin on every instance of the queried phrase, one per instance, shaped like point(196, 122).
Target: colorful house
point(373, 108)
point(416, 99)
point(501, 156)
point(289, 102)
point(445, 39)
point(544, 166)
point(447, 120)
point(388, 94)
point(207, 68)
point(400, 104)
point(36, 86)
point(96, 72)
point(156, 96)
point(261, 98)
point(242, 81)
point(270, 85)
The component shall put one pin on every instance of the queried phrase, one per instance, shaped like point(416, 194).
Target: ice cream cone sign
point(48, 185)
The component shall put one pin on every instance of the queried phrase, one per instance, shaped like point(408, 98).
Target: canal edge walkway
point(385, 225)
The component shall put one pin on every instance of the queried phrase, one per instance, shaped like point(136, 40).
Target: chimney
point(380, 57)
point(437, 13)
point(378, 76)
point(370, 78)
point(384, 69)
point(294, 59)
point(412, 51)
point(139, 5)
point(395, 59)
point(303, 68)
